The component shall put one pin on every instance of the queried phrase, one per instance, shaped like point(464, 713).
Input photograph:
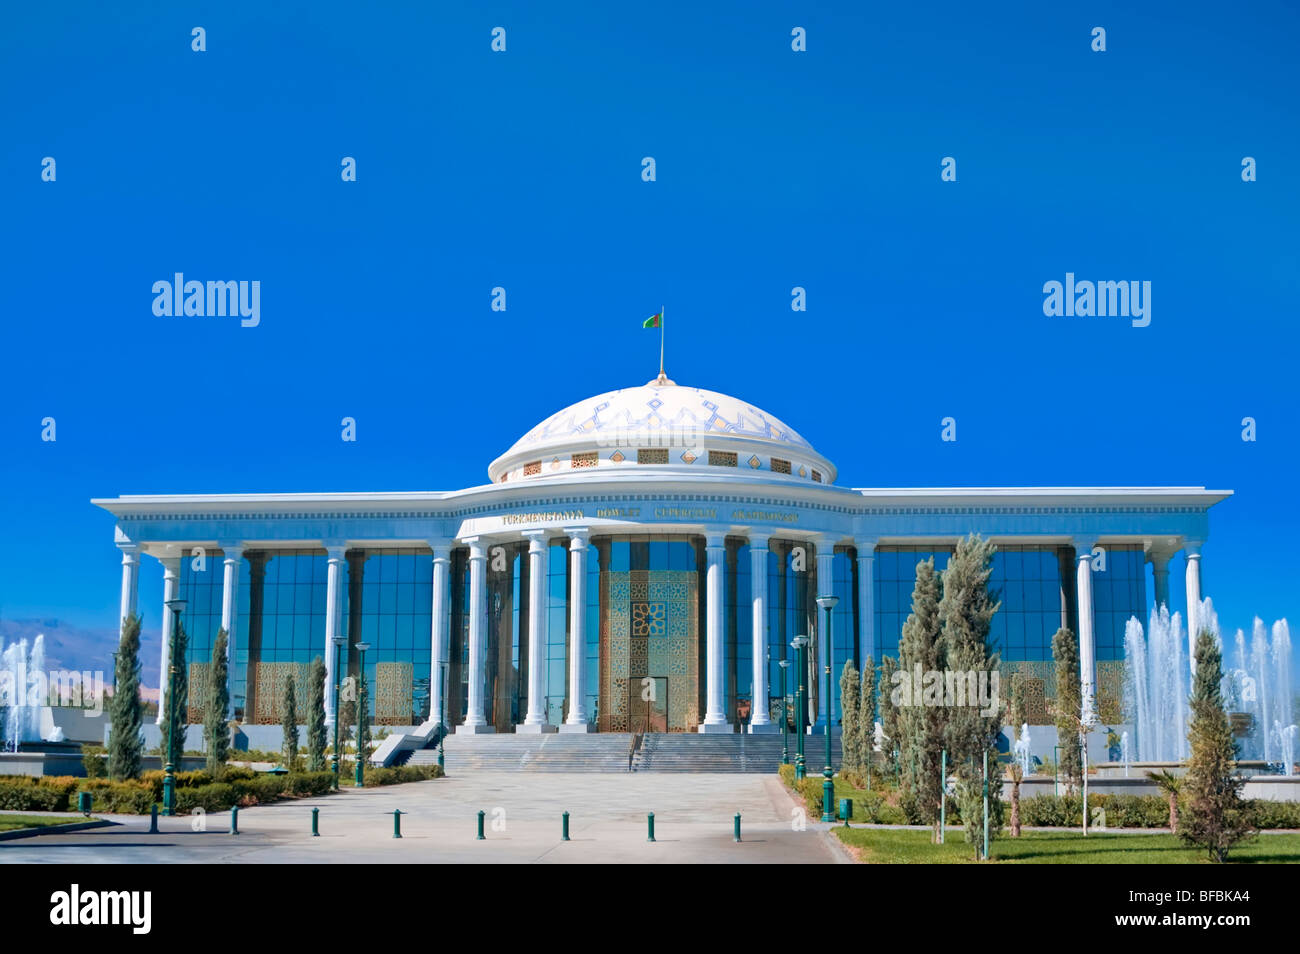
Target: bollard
point(153, 819)
point(650, 825)
point(735, 825)
point(480, 827)
point(315, 822)
point(397, 823)
point(234, 819)
point(564, 828)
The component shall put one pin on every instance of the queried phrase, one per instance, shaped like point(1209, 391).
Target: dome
point(664, 425)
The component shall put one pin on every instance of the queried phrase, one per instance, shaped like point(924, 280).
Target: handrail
point(635, 743)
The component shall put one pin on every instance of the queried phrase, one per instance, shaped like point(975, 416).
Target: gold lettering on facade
point(686, 513)
point(768, 516)
point(546, 516)
point(616, 513)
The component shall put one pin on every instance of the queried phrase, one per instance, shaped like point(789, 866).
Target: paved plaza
point(693, 823)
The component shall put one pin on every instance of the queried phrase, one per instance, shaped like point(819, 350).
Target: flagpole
point(661, 341)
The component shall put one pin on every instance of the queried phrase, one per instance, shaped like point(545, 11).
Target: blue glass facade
point(201, 586)
point(394, 619)
point(895, 578)
point(1118, 592)
point(1028, 582)
point(1036, 586)
point(387, 602)
point(557, 631)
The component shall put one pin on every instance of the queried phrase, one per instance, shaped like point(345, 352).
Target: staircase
point(598, 752)
point(608, 752)
point(728, 753)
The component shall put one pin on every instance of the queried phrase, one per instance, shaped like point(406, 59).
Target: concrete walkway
point(693, 824)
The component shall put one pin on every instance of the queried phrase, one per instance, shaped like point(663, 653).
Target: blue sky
point(522, 170)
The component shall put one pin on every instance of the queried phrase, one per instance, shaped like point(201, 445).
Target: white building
point(657, 548)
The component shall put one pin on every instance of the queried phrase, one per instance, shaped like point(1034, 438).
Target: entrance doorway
point(650, 705)
point(649, 651)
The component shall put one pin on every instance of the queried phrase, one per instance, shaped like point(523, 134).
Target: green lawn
point(904, 846)
point(10, 822)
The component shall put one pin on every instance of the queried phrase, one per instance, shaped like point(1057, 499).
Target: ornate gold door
point(649, 651)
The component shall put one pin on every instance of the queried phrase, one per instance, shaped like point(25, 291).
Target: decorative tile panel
point(649, 631)
point(198, 700)
point(271, 679)
point(394, 693)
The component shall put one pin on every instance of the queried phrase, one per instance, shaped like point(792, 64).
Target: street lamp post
point(828, 787)
point(173, 713)
point(363, 704)
point(800, 644)
point(338, 709)
point(785, 717)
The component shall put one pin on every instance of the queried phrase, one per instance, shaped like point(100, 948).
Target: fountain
point(1257, 685)
point(1157, 682)
point(1020, 750)
point(1286, 741)
point(1125, 753)
point(23, 688)
point(1260, 689)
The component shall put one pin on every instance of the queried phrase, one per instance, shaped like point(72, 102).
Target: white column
point(759, 722)
point(130, 583)
point(440, 626)
point(232, 554)
point(171, 583)
point(577, 719)
point(535, 721)
point(1192, 551)
point(715, 718)
point(866, 601)
point(475, 721)
point(1087, 653)
point(1160, 575)
point(333, 622)
point(825, 587)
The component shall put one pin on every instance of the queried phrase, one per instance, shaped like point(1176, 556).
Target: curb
point(54, 829)
point(838, 849)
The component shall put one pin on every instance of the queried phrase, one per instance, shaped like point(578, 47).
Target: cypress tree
point(125, 743)
point(867, 716)
point(316, 716)
point(889, 713)
point(966, 613)
point(289, 724)
point(1069, 707)
point(347, 719)
point(921, 724)
point(850, 724)
point(216, 731)
point(1216, 818)
point(181, 693)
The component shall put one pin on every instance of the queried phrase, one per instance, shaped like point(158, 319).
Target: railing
point(635, 743)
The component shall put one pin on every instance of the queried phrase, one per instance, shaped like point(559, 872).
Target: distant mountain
point(81, 649)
